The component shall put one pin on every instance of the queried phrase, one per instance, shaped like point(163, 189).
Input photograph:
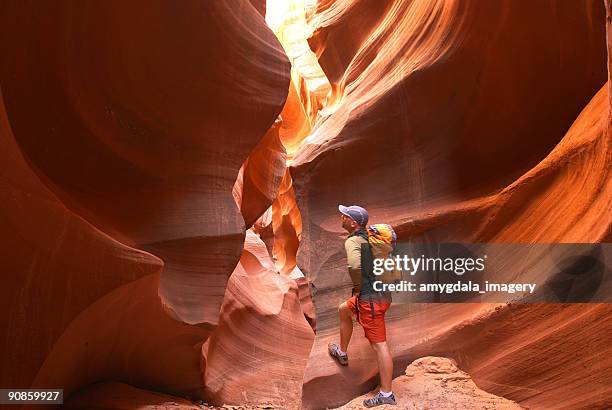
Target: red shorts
point(371, 317)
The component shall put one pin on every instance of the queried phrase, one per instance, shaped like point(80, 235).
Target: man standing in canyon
point(366, 305)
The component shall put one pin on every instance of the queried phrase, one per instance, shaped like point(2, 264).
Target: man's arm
point(353, 253)
point(353, 260)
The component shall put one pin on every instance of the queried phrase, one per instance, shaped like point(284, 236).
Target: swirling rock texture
point(172, 170)
point(260, 176)
point(262, 331)
point(135, 132)
point(445, 132)
point(135, 116)
point(55, 265)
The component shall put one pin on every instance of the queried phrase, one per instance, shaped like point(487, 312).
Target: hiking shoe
point(334, 351)
point(379, 400)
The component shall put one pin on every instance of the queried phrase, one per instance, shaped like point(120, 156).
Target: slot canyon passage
point(171, 173)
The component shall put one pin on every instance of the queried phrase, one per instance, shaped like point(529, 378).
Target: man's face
point(347, 223)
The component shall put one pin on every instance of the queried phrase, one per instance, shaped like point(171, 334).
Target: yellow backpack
point(382, 239)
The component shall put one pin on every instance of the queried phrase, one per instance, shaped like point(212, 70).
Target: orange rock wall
point(125, 129)
point(150, 109)
point(472, 144)
point(163, 164)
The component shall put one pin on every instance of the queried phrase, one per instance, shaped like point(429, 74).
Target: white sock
point(385, 394)
point(341, 352)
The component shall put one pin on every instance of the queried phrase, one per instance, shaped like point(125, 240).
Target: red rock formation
point(260, 6)
point(258, 352)
point(345, 22)
point(437, 94)
point(452, 120)
point(127, 336)
point(154, 120)
point(418, 116)
point(113, 395)
point(135, 129)
point(306, 300)
point(54, 266)
point(287, 226)
point(260, 177)
point(437, 383)
point(609, 38)
point(419, 323)
point(541, 356)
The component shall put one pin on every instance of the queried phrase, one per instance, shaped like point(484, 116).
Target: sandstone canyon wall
point(151, 144)
point(134, 130)
point(171, 174)
point(456, 134)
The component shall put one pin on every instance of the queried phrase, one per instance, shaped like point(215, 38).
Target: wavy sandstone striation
point(437, 91)
point(54, 266)
point(260, 176)
point(154, 119)
point(135, 130)
point(541, 356)
point(267, 319)
point(413, 126)
point(310, 89)
point(262, 332)
point(453, 120)
point(127, 336)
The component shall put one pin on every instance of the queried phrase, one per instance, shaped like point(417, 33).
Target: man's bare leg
point(346, 325)
point(385, 365)
point(346, 330)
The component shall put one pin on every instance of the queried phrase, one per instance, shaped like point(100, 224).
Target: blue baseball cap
point(356, 213)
